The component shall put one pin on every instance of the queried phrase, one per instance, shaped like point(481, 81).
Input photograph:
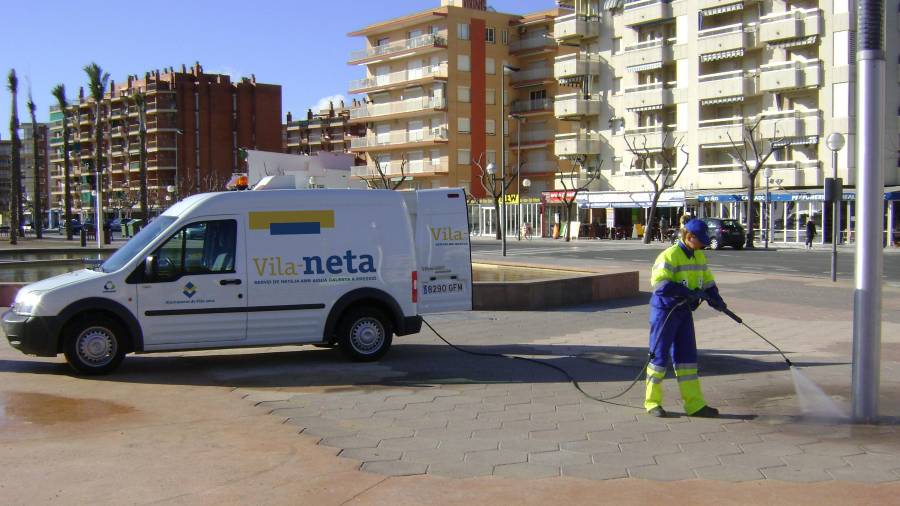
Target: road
point(792, 261)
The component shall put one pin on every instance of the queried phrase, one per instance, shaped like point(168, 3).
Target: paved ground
point(269, 426)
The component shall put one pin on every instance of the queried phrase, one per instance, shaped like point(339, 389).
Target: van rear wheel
point(95, 345)
point(364, 334)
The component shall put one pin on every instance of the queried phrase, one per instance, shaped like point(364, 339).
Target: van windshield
point(136, 244)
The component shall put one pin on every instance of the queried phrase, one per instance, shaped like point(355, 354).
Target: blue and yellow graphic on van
point(292, 222)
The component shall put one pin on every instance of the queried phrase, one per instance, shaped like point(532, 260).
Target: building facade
point(696, 74)
point(29, 162)
point(5, 179)
point(326, 130)
point(196, 123)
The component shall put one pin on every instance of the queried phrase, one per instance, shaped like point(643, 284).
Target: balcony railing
point(790, 75)
point(651, 94)
point(438, 134)
point(526, 106)
point(637, 12)
point(539, 74)
point(789, 25)
point(392, 169)
point(653, 137)
point(404, 106)
point(539, 167)
point(572, 27)
point(721, 38)
point(572, 144)
point(399, 46)
point(791, 123)
point(531, 137)
point(532, 43)
point(720, 130)
point(575, 105)
point(398, 78)
point(725, 84)
point(573, 65)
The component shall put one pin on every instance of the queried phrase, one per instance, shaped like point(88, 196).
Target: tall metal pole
point(870, 71)
point(98, 211)
point(765, 220)
point(835, 229)
point(518, 177)
point(503, 160)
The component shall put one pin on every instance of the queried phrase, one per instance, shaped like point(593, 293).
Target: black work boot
point(706, 412)
point(657, 411)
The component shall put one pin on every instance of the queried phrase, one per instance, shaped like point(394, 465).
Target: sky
point(301, 44)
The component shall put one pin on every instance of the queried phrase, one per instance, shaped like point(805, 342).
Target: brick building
point(196, 124)
point(326, 130)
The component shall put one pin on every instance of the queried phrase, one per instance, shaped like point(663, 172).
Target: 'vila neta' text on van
point(334, 264)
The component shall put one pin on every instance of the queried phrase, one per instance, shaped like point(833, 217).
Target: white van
point(345, 268)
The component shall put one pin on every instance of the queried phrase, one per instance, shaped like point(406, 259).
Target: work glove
point(693, 299)
point(716, 303)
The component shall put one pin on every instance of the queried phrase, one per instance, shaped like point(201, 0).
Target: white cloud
point(323, 102)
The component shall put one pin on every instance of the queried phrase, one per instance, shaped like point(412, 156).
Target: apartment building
point(433, 83)
point(697, 72)
point(5, 178)
point(195, 122)
point(326, 130)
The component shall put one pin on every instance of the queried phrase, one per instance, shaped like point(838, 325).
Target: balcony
point(573, 28)
point(646, 96)
point(789, 124)
point(653, 138)
point(722, 131)
point(643, 55)
point(639, 12)
point(532, 107)
point(392, 169)
point(728, 175)
point(721, 38)
point(789, 25)
point(541, 167)
point(575, 106)
point(403, 107)
point(398, 79)
point(533, 44)
point(575, 65)
point(574, 144)
point(422, 44)
point(734, 83)
point(790, 75)
point(530, 139)
point(537, 75)
point(399, 139)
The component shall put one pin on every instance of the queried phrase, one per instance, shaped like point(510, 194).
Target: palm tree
point(97, 80)
point(15, 191)
point(37, 214)
point(140, 101)
point(59, 91)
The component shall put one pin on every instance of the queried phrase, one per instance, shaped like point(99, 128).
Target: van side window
point(206, 247)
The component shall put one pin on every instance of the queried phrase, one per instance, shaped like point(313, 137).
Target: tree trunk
point(751, 210)
point(98, 171)
point(15, 190)
point(651, 219)
point(567, 215)
point(37, 218)
point(142, 141)
point(67, 171)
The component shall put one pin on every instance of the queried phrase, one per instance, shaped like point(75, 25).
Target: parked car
point(725, 232)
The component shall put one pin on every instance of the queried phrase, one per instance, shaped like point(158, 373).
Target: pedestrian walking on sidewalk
point(810, 232)
point(681, 279)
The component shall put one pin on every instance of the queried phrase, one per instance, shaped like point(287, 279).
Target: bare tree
point(660, 168)
point(495, 187)
point(37, 215)
point(210, 182)
point(753, 159)
point(384, 180)
point(574, 181)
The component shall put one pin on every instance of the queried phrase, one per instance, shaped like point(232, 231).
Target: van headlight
point(26, 303)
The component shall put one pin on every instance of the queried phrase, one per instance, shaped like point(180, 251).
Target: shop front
point(786, 213)
point(623, 215)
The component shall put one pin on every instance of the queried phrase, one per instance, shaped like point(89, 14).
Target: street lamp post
point(766, 212)
point(178, 133)
point(835, 143)
point(519, 119)
point(506, 69)
point(526, 185)
point(492, 171)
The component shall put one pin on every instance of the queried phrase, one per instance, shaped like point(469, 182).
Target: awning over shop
point(613, 4)
point(788, 196)
point(722, 55)
point(789, 43)
point(723, 100)
point(600, 200)
point(644, 66)
point(797, 141)
point(559, 196)
point(722, 9)
point(654, 107)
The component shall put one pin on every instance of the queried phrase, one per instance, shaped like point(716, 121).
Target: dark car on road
point(725, 232)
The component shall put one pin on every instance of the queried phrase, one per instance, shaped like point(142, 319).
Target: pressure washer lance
point(741, 321)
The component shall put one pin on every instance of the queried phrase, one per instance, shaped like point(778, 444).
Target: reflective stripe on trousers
point(689, 385)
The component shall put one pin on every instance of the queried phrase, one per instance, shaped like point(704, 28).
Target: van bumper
point(32, 335)
point(409, 325)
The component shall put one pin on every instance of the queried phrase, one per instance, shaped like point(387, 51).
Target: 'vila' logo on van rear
point(292, 222)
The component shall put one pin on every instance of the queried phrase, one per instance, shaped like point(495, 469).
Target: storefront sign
point(558, 196)
point(595, 200)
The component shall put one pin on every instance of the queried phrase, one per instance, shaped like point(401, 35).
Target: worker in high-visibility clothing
point(680, 280)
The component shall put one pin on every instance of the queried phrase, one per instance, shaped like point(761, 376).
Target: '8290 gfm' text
point(450, 287)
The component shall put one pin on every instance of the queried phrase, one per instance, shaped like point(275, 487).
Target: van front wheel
point(364, 334)
point(95, 345)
